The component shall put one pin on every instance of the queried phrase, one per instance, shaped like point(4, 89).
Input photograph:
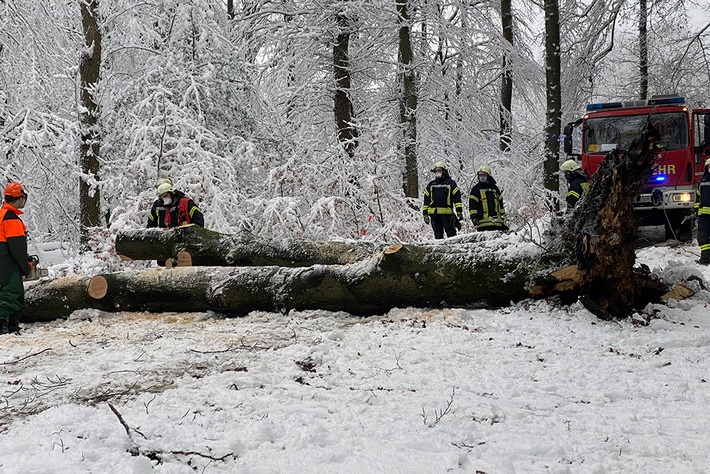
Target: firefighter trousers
point(441, 223)
point(704, 238)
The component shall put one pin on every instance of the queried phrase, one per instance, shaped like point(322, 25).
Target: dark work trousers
point(703, 237)
point(441, 223)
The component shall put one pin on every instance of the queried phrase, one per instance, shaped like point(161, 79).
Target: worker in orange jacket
point(13, 258)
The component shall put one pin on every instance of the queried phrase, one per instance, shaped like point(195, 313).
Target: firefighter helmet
point(163, 181)
point(570, 165)
point(485, 169)
point(165, 188)
point(439, 164)
point(15, 190)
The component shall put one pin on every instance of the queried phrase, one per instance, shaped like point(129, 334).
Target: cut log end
point(393, 249)
point(97, 287)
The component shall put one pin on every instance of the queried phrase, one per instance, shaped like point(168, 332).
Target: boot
point(13, 324)
point(704, 257)
point(3, 326)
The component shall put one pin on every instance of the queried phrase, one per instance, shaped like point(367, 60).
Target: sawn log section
point(465, 274)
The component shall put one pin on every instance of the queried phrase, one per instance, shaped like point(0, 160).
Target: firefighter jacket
point(13, 243)
point(485, 205)
point(702, 196)
point(181, 211)
point(442, 196)
point(578, 185)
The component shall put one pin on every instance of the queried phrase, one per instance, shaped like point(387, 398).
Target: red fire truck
point(669, 194)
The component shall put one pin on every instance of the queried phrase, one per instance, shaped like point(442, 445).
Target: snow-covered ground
point(530, 388)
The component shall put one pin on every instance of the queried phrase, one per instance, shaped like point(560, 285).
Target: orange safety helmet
point(15, 190)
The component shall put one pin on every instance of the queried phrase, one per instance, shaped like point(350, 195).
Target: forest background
point(315, 119)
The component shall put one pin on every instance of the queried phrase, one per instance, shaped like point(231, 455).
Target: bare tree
point(553, 114)
point(342, 101)
point(408, 99)
point(90, 145)
point(643, 49)
point(506, 89)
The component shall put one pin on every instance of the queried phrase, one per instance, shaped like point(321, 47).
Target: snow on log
point(489, 272)
point(210, 248)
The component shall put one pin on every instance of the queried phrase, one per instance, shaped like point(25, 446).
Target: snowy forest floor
point(530, 388)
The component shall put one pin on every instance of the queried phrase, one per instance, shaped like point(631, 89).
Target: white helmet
point(569, 165)
point(165, 188)
point(707, 162)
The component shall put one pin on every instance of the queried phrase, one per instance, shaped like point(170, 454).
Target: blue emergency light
point(655, 100)
point(660, 178)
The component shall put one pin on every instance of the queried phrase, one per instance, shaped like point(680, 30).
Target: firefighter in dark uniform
point(702, 210)
point(577, 182)
point(13, 258)
point(442, 197)
point(485, 203)
point(173, 208)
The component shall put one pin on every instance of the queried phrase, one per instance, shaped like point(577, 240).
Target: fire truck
point(668, 195)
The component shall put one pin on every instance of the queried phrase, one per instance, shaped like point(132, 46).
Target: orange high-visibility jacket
point(13, 243)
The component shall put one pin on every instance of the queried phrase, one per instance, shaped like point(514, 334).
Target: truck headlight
point(682, 197)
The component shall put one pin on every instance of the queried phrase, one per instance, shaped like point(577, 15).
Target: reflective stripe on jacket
point(577, 187)
point(442, 196)
point(702, 196)
point(180, 212)
point(485, 205)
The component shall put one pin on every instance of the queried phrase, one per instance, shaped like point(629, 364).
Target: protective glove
point(459, 214)
point(427, 219)
point(475, 222)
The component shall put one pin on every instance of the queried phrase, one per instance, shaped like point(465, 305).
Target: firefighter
point(173, 208)
point(14, 262)
point(485, 203)
point(577, 182)
point(702, 210)
point(442, 197)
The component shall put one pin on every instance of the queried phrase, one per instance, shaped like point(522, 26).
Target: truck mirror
point(568, 137)
point(707, 131)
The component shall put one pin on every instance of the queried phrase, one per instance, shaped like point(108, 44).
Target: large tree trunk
point(342, 100)
point(407, 99)
point(89, 72)
point(506, 89)
point(553, 91)
point(403, 275)
point(207, 247)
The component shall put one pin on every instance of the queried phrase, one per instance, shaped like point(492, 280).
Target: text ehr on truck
point(668, 196)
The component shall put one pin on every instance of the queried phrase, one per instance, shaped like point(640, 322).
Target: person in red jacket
point(13, 258)
point(173, 208)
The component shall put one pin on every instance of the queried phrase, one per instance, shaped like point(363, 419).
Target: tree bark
point(408, 100)
point(553, 86)
point(207, 247)
point(506, 90)
point(602, 231)
point(643, 49)
point(90, 146)
point(342, 101)
point(400, 276)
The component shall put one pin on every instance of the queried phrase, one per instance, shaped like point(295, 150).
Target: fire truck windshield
point(603, 134)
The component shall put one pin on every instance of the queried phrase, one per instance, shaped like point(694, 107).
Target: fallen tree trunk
point(210, 248)
point(485, 273)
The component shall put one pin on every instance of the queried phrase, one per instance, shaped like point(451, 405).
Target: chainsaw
point(35, 271)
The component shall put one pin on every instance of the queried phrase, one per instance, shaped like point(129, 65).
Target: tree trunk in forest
point(553, 86)
point(342, 101)
point(408, 99)
point(643, 49)
point(400, 276)
point(90, 146)
point(506, 89)
point(207, 247)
